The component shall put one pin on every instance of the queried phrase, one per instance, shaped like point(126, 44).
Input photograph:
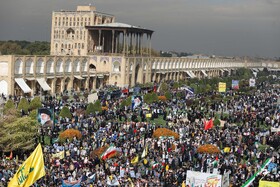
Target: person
point(45, 117)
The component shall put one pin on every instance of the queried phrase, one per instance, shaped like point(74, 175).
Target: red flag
point(155, 89)
point(208, 125)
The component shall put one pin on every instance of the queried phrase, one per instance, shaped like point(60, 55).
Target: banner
point(136, 101)
point(268, 184)
point(235, 84)
point(112, 180)
point(273, 129)
point(195, 178)
point(45, 117)
point(222, 86)
point(59, 155)
point(252, 82)
point(30, 170)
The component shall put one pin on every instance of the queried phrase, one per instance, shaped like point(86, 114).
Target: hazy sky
point(221, 27)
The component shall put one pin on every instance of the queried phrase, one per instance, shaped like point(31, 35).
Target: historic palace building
point(89, 50)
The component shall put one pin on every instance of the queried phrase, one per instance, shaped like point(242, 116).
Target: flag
point(135, 160)
point(145, 152)
point(59, 155)
point(155, 165)
point(109, 152)
point(30, 171)
point(208, 124)
point(227, 149)
point(10, 157)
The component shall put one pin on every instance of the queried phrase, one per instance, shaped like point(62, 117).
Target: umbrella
point(208, 148)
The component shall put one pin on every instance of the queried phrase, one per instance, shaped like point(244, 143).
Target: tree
point(164, 87)
point(23, 105)
point(150, 98)
point(35, 103)
point(175, 85)
point(9, 105)
point(92, 108)
point(168, 95)
point(18, 135)
point(65, 112)
point(126, 102)
point(97, 106)
point(33, 114)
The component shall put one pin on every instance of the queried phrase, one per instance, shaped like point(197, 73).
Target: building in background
point(90, 50)
point(69, 35)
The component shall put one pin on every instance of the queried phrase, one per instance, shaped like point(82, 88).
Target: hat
point(45, 111)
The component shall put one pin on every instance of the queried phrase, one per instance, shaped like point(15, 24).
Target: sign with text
point(195, 178)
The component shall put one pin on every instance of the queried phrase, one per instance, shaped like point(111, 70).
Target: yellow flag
point(59, 155)
point(30, 171)
point(167, 167)
point(227, 149)
point(135, 160)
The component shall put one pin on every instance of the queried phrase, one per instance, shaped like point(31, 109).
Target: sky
point(210, 27)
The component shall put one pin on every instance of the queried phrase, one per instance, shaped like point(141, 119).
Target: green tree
point(126, 102)
point(23, 105)
point(9, 105)
point(164, 87)
point(217, 122)
point(97, 106)
point(90, 109)
point(35, 103)
point(150, 98)
point(33, 114)
point(175, 85)
point(65, 112)
point(168, 95)
point(19, 134)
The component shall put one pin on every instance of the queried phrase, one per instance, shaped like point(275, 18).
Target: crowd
point(143, 160)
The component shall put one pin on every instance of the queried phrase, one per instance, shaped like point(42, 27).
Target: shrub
point(65, 112)
point(70, 134)
point(35, 103)
point(217, 122)
point(9, 105)
point(162, 98)
point(150, 98)
point(33, 114)
point(97, 106)
point(168, 95)
point(164, 87)
point(165, 132)
point(104, 108)
point(126, 102)
point(92, 108)
point(23, 105)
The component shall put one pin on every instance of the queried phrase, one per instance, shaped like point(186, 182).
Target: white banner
point(275, 129)
point(203, 179)
point(252, 82)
